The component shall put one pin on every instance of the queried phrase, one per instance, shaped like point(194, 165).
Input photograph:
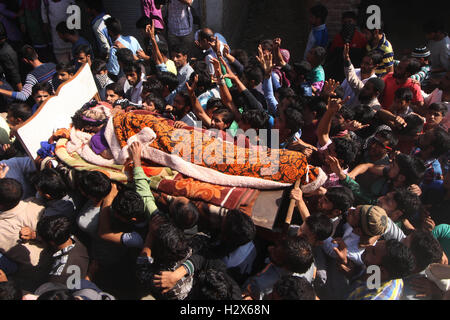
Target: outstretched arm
point(157, 56)
point(196, 106)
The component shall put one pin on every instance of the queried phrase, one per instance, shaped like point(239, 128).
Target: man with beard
point(355, 79)
point(133, 73)
point(400, 78)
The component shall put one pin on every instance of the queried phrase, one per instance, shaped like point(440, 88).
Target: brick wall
point(335, 10)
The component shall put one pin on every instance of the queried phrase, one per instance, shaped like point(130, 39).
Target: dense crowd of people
point(377, 123)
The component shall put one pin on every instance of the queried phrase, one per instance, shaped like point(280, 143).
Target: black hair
point(254, 73)
point(185, 215)
point(62, 28)
point(66, 67)
point(98, 65)
point(439, 107)
point(59, 294)
point(267, 44)
point(347, 113)
point(29, 53)
point(160, 103)
point(84, 48)
point(116, 88)
point(56, 229)
point(407, 202)
point(241, 56)
point(294, 118)
point(204, 77)
point(341, 197)
point(214, 284)
point(180, 49)
point(319, 11)
point(20, 110)
point(11, 193)
point(320, 225)
point(302, 68)
point(163, 48)
point(133, 67)
point(376, 57)
point(238, 229)
point(93, 183)
point(389, 136)
point(153, 85)
point(425, 248)
point(9, 290)
point(205, 34)
point(345, 150)
point(143, 22)
point(414, 125)
point(49, 181)
point(169, 245)
point(363, 113)
point(316, 104)
point(377, 83)
point(125, 56)
point(114, 26)
point(404, 94)
point(96, 5)
point(228, 116)
point(441, 142)
point(399, 261)
point(214, 103)
point(257, 119)
point(412, 168)
point(298, 254)
point(320, 54)
point(129, 204)
point(168, 79)
point(284, 92)
point(414, 65)
point(349, 15)
point(290, 287)
point(43, 86)
point(434, 25)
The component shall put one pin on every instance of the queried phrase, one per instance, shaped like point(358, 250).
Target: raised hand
point(191, 88)
point(334, 105)
point(135, 151)
point(341, 250)
point(354, 125)
point(150, 30)
point(329, 87)
point(296, 194)
point(335, 166)
point(217, 68)
point(226, 50)
point(215, 44)
point(347, 51)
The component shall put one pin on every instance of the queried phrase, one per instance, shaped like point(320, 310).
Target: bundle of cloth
point(189, 162)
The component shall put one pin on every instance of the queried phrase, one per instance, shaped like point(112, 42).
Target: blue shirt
point(129, 42)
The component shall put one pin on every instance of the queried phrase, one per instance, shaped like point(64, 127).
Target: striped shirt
point(385, 48)
point(43, 73)
point(389, 290)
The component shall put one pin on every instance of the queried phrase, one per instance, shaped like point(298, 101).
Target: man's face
point(82, 58)
point(434, 118)
point(133, 78)
point(63, 76)
point(149, 106)
point(41, 96)
point(325, 205)
point(276, 254)
point(217, 122)
point(377, 149)
point(388, 203)
point(306, 233)
point(367, 65)
point(368, 92)
point(373, 255)
point(179, 59)
point(111, 97)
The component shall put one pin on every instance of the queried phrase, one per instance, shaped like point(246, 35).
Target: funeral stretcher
point(189, 162)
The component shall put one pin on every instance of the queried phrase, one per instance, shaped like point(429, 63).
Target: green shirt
point(361, 196)
point(142, 183)
point(442, 234)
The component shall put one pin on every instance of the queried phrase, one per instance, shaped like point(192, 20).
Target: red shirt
point(358, 41)
point(391, 86)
